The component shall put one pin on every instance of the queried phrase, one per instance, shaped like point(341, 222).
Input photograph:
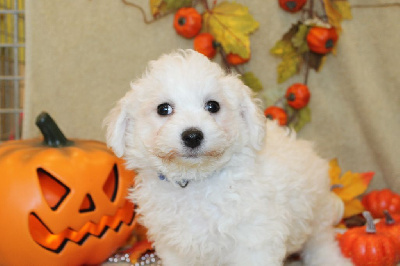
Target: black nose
point(192, 137)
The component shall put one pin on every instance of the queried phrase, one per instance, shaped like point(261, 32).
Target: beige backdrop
point(82, 54)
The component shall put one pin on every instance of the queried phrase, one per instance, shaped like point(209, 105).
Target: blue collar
point(183, 183)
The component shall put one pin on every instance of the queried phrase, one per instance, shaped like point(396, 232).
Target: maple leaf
point(250, 80)
point(160, 7)
point(344, 8)
point(231, 24)
point(291, 60)
point(303, 117)
point(349, 187)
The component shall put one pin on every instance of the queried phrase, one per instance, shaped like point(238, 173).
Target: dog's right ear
point(116, 123)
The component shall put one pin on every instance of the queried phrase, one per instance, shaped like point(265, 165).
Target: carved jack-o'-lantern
point(63, 202)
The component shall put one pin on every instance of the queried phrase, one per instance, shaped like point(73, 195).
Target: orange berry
point(298, 95)
point(276, 113)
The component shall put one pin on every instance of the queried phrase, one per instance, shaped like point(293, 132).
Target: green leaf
point(250, 80)
point(344, 8)
point(288, 67)
point(176, 4)
point(299, 39)
point(304, 117)
point(231, 24)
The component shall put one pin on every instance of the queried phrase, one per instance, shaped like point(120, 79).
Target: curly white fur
point(255, 192)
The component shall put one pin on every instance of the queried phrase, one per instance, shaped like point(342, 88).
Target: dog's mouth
point(188, 155)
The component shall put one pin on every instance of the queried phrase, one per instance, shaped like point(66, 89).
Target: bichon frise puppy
point(217, 184)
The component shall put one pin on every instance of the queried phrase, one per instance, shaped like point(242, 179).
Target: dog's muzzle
point(192, 137)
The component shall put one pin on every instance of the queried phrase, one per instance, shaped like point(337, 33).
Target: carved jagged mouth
point(56, 242)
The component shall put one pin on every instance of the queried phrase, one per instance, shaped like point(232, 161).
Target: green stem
point(53, 137)
point(388, 218)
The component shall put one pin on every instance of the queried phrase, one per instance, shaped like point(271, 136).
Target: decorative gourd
point(276, 113)
point(235, 59)
point(367, 246)
point(377, 201)
point(321, 40)
point(391, 227)
point(187, 22)
point(298, 95)
point(205, 44)
point(63, 201)
point(292, 5)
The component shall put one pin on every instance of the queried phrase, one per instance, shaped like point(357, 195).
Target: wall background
point(81, 56)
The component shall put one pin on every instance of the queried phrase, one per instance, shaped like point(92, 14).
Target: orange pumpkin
point(64, 201)
point(298, 95)
point(390, 226)
point(377, 201)
point(205, 44)
point(367, 246)
point(321, 40)
point(276, 113)
point(187, 22)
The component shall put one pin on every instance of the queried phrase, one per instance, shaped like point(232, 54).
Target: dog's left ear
point(116, 123)
point(253, 117)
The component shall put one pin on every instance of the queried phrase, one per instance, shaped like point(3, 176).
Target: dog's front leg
point(170, 257)
point(260, 256)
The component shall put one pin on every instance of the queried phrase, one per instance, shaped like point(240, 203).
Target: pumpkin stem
point(388, 218)
point(53, 137)
point(370, 222)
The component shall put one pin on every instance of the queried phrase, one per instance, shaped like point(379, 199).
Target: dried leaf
point(250, 80)
point(314, 61)
point(344, 8)
point(231, 24)
point(304, 117)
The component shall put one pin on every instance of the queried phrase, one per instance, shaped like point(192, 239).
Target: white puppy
point(217, 184)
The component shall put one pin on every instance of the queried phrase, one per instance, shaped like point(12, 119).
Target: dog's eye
point(212, 106)
point(164, 109)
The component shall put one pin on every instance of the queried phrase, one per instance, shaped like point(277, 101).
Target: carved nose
point(192, 137)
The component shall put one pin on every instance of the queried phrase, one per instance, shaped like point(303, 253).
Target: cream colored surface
point(82, 55)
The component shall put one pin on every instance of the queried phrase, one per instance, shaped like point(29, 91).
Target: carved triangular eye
point(53, 190)
point(87, 204)
point(111, 185)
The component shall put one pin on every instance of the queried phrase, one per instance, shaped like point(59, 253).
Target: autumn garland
point(226, 27)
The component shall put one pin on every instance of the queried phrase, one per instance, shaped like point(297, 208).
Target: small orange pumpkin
point(205, 44)
point(187, 22)
point(367, 246)
point(298, 95)
point(321, 40)
point(64, 200)
point(377, 201)
point(276, 113)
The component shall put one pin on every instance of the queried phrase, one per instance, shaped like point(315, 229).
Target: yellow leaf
point(231, 24)
point(334, 171)
point(348, 187)
point(353, 186)
point(334, 16)
point(157, 7)
point(352, 207)
point(344, 8)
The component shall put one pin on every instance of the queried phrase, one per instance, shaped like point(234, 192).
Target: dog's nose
point(192, 137)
